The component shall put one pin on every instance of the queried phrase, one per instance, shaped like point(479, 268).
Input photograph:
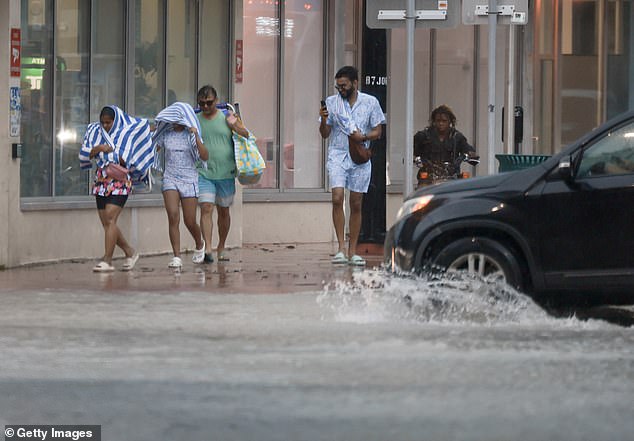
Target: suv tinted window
point(611, 155)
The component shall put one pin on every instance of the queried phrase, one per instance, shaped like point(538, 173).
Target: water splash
point(378, 296)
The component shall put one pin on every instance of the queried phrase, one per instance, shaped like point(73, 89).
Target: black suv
point(566, 224)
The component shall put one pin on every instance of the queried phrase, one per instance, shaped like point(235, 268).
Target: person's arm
point(422, 144)
point(372, 135)
point(202, 150)
point(463, 144)
point(324, 128)
point(236, 125)
point(101, 148)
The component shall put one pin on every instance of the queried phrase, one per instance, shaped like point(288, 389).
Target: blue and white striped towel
point(177, 113)
point(130, 138)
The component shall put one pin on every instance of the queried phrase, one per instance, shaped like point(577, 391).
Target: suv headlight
point(413, 205)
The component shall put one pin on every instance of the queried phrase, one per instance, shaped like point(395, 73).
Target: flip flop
point(129, 262)
point(103, 267)
point(339, 258)
point(357, 260)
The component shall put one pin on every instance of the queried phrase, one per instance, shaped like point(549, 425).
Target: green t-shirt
point(216, 136)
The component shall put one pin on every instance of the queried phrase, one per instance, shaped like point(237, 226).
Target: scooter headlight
point(412, 205)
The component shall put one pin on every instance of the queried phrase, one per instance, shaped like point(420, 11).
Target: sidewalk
point(255, 268)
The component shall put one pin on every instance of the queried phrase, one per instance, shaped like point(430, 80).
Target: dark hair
point(443, 109)
point(350, 72)
point(207, 90)
point(107, 111)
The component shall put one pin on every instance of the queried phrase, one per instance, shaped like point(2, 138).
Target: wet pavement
point(270, 268)
point(278, 344)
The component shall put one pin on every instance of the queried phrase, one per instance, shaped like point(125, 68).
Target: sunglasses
point(206, 103)
point(342, 87)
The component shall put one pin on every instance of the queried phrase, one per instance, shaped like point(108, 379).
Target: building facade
point(569, 69)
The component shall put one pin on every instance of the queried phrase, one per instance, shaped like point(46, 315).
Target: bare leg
point(206, 210)
point(113, 235)
point(224, 223)
point(104, 217)
point(338, 217)
point(172, 202)
point(189, 217)
point(356, 202)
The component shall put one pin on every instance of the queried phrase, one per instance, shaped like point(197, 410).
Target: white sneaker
point(176, 262)
point(199, 255)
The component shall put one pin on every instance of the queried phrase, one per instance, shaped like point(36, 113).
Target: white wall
point(284, 222)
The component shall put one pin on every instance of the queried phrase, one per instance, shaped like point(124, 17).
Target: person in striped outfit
point(122, 139)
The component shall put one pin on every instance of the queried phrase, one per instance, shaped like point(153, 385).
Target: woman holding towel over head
point(117, 138)
point(178, 133)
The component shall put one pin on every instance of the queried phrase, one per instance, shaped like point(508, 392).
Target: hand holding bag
point(250, 164)
point(358, 153)
point(117, 171)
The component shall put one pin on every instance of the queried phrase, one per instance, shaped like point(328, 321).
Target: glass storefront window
point(72, 88)
point(260, 83)
point(36, 178)
point(67, 76)
point(303, 78)
point(74, 65)
point(149, 58)
point(108, 55)
point(295, 50)
point(214, 42)
point(181, 51)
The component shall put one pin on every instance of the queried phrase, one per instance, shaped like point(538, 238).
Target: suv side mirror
point(564, 170)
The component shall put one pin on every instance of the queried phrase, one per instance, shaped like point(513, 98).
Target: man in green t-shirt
point(216, 183)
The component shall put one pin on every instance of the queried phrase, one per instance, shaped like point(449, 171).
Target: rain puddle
point(377, 295)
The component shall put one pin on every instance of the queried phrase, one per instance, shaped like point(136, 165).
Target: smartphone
point(323, 104)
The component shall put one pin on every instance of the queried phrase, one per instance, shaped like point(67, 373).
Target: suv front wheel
point(485, 257)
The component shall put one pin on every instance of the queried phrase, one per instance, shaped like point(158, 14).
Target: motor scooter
point(432, 172)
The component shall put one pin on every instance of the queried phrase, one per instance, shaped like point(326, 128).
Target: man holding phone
point(216, 183)
point(347, 117)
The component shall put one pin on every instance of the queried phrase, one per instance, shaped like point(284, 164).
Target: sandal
point(103, 267)
point(339, 258)
point(129, 262)
point(176, 262)
point(357, 260)
point(199, 255)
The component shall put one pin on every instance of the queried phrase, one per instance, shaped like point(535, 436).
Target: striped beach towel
point(177, 113)
point(130, 138)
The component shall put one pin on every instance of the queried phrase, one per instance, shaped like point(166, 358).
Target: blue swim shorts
point(216, 191)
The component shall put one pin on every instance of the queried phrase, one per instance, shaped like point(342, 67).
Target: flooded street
point(372, 358)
